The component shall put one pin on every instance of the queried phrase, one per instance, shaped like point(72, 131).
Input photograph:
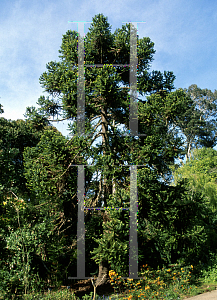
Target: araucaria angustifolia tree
point(107, 100)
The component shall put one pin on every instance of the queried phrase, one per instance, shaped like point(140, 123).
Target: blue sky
point(184, 33)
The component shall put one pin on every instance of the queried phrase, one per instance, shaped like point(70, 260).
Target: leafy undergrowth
point(174, 282)
point(167, 283)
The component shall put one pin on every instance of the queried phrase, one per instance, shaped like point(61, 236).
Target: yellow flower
point(192, 266)
point(4, 203)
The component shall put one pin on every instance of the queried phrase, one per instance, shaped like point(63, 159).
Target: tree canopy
point(201, 174)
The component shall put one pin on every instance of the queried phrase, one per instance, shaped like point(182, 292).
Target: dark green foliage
point(1, 109)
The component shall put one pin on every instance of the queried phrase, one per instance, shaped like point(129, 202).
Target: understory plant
point(155, 284)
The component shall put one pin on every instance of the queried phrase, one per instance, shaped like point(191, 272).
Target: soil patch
point(84, 287)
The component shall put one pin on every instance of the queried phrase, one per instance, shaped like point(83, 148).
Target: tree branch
point(59, 120)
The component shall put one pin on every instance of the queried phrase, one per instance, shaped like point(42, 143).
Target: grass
point(174, 282)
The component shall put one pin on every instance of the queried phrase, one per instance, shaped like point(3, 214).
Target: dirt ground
point(85, 286)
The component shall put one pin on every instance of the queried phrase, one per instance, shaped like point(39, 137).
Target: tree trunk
point(104, 265)
point(103, 273)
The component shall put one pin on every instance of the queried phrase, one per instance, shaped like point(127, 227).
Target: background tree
point(14, 196)
point(14, 137)
point(1, 109)
point(198, 123)
point(200, 172)
point(206, 102)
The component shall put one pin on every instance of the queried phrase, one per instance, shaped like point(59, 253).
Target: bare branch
point(97, 125)
point(99, 193)
point(95, 117)
point(181, 161)
point(65, 229)
point(59, 120)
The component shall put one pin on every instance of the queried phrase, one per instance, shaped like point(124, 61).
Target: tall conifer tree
point(106, 107)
